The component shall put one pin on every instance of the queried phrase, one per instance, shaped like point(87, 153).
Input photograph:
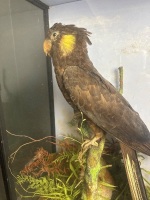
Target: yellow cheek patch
point(67, 44)
point(47, 47)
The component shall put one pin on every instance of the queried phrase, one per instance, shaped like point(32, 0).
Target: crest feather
point(72, 29)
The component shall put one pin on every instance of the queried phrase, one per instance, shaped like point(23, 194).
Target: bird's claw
point(87, 145)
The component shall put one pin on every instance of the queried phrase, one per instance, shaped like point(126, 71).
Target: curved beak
point(47, 45)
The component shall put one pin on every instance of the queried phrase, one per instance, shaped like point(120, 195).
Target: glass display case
point(35, 116)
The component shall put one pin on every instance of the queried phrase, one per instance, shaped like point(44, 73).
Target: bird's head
point(64, 39)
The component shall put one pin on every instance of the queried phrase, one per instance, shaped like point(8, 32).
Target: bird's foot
point(87, 145)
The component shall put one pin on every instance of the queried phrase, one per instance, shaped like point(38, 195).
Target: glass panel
point(23, 79)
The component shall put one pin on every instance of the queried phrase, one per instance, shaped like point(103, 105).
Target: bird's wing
point(106, 107)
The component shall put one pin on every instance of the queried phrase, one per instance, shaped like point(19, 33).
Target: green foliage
point(60, 186)
point(57, 186)
point(49, 188)
point(68, 184)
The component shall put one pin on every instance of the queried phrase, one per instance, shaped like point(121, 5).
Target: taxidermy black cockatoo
point(87, 91)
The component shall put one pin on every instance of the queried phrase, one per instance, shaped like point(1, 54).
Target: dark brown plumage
point(87, 91)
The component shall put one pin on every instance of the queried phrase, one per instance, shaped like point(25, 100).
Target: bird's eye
point(55, 34)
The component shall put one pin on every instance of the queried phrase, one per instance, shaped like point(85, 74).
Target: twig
point(12, 156)
point(25, 136)
point(121, 79)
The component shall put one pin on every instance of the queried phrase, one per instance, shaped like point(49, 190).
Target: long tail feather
point(134, 174)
